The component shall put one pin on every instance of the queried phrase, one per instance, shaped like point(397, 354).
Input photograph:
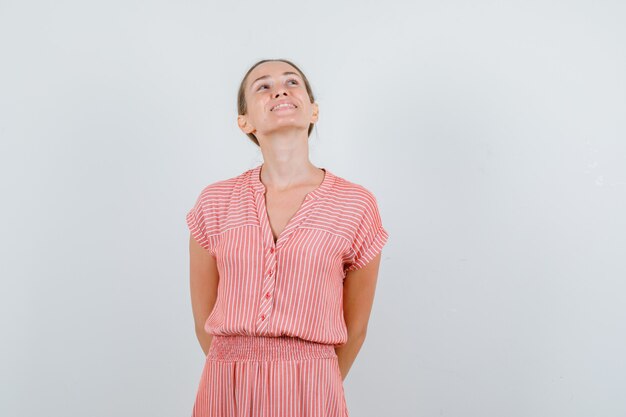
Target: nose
point(281, 90)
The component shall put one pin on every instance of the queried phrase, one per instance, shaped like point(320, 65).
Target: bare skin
point(288, 175)
point(204, 278)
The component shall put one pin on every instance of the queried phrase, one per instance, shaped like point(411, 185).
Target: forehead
point(272, 68)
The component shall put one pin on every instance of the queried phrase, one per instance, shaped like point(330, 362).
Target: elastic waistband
point(266, 348)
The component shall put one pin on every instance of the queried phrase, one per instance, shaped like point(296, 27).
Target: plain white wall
point(492, 134)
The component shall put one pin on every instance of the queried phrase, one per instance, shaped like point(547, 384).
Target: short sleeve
point(200, 220)
point(369, 238)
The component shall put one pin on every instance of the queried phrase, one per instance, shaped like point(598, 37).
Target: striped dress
point(279, 312)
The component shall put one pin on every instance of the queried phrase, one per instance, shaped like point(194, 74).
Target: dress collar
point(327, 182)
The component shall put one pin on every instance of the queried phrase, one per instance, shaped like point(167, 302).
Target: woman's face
point(268, 85)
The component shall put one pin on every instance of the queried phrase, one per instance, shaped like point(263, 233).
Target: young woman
point(284, 260)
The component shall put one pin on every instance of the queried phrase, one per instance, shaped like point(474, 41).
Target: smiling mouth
point(284, 106)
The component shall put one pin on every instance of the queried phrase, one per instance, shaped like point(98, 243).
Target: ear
point(316, 111)
point(244, 124)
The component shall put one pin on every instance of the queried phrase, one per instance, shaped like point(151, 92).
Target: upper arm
point(358, 296)
point(362, 265)
point(204, 280)
point(203, 224)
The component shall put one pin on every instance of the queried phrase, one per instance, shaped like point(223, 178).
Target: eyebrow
point(267, 76)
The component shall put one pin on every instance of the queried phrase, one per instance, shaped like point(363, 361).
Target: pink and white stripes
point(279, 308)
point(292, 286)
point(270, 377)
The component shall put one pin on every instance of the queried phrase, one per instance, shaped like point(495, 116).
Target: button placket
point(266, 304)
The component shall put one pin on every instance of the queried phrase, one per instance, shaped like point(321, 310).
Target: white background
point(492, 134)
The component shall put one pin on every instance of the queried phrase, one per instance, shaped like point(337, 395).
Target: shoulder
point(222, 190)
point(356, 208)
point(211, 213)
point(353, 196)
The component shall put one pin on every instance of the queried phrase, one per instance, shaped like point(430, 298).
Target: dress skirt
point(263, 376)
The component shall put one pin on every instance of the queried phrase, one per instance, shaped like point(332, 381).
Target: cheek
point(256, 112)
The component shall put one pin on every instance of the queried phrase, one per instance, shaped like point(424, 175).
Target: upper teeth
point(283, 105)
